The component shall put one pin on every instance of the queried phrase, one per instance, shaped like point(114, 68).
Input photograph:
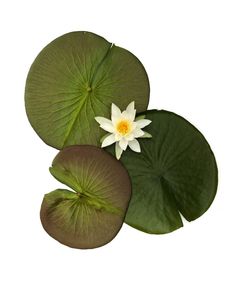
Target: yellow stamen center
point(123, 127)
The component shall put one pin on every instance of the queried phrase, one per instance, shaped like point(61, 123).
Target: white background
point(189, 51)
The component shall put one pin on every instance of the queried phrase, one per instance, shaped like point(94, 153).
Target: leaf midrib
point(67, 135)
point(83, 195)
point(74, 120)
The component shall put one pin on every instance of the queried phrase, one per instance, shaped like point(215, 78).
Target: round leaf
point(92, 214)
point(75, 78)
point(175, 173)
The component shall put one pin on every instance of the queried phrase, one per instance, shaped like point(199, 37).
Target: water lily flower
point(123, 129)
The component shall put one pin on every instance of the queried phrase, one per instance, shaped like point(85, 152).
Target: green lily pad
point(75, 78)
point(92, 214)
point(175, 173)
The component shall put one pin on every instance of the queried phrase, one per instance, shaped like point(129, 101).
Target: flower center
point(123, 127)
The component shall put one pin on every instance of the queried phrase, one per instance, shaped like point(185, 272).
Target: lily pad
point(92, 214)
point(75, 78)
point(175, 173)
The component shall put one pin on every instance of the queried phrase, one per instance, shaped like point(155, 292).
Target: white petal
point(108, 127)
point(130, 112)
point(134, 125)
point(105, 136)
point(119, 151)
point(130, 107)
point(138, 132)
point(135, 146)
point(105, 124)
point(132, 115)
point(129, 137)
point(123, 143)
point(115, 113)
point(102, 120)
point(129, 116)
point(118, 137)
point(143, 123)
point(108, 140)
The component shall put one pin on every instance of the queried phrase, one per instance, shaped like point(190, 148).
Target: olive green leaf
point(175, 173)
point(92, 214)
point(76, 78)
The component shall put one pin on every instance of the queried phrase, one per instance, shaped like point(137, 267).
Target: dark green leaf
point(175, 172)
